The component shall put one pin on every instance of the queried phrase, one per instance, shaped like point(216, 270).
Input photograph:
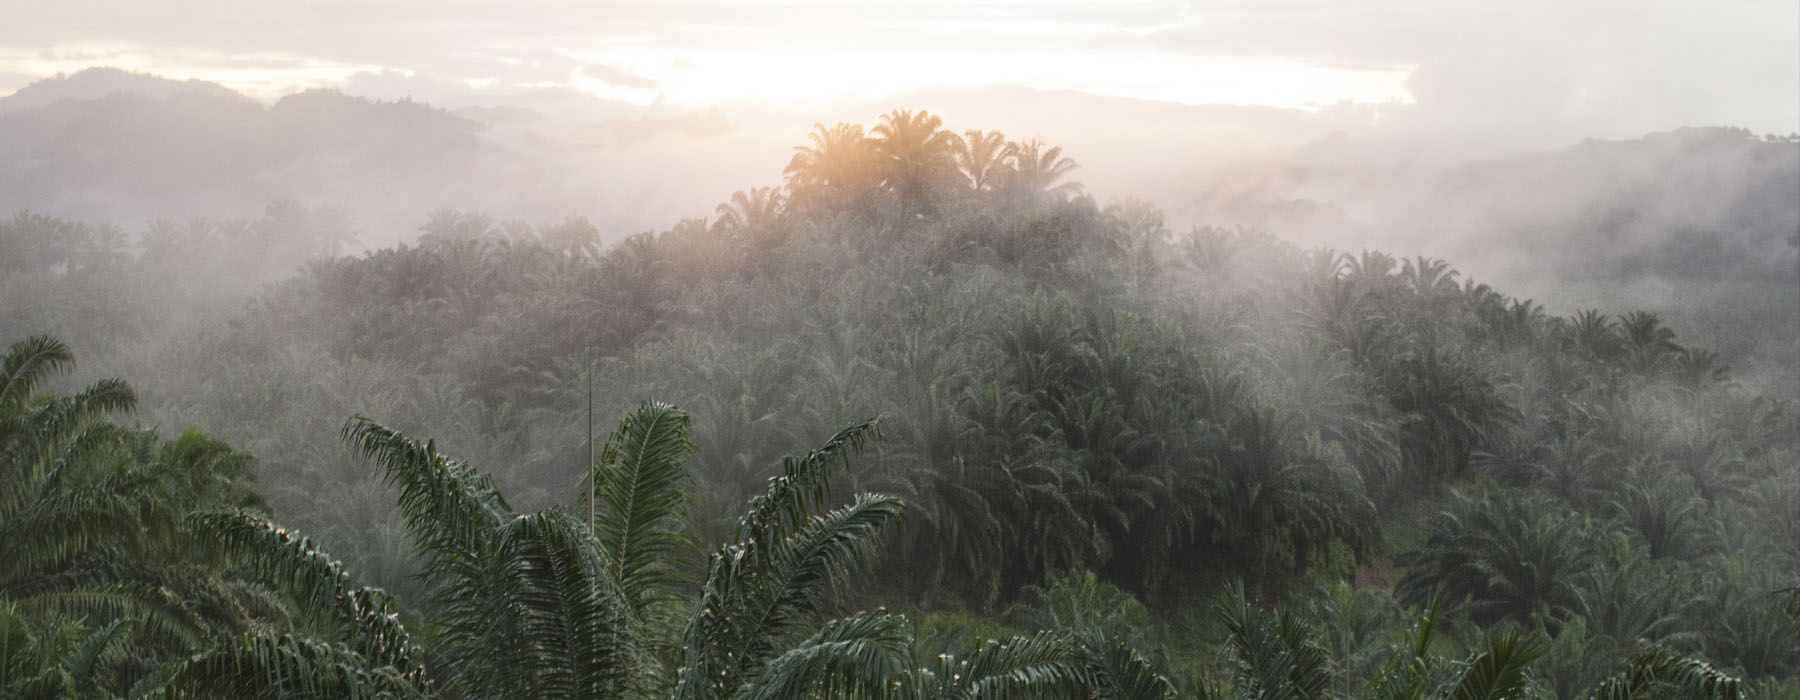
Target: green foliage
point(1509, 555)
point(1069, 387)
point(641, 478)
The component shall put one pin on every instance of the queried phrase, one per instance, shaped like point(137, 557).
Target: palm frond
point(640, 485)
point(804, 484)
point(1275, 658)
point(284, 667)
point(27, 363)
point(296, 566)
point(1499, 670)
point(1119, 672)
point(854, 656)
point(451, 509)
point(1044, 664)
point(1656, 671)
point(781, 564)
point(570, 636)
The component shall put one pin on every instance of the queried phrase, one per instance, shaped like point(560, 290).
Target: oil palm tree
point(1038, 172)
point(95, 550)
point(837, 167)
point(751, 211)
point(984, 157)
point(58, 502)
point(1510, 555)
point(541, 605)
point(546, 604)
point(446, 225)
point(917, 156)
point(1277, 655)
point(575, 236)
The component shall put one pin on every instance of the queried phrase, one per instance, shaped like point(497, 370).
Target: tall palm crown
point(838, 165)
point(916, 154)
point(750, 211)
point(575, 236)
point(1038, 170)
point(983, 157)
point(51, 512)
point(93, 538)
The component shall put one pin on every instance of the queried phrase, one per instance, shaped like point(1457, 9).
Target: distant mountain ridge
point(110, 145)
point(98, 82)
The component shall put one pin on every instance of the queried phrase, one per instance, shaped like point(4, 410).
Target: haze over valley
point(905, 350)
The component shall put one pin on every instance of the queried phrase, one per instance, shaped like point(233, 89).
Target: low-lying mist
point(1556, 387)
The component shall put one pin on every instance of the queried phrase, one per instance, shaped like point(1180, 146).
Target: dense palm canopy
point(1093, 424)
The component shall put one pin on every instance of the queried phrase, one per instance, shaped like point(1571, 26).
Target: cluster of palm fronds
point(540, 605)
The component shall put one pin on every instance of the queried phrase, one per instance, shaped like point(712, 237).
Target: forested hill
point(105, 145)
point(1227, 452)
point(1697, 225)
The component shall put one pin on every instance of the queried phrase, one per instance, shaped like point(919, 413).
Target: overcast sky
point(1604, 67)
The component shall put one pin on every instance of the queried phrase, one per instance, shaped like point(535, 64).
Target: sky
point(1558, 69)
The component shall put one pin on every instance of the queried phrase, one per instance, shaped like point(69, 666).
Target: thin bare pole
point(590, 435)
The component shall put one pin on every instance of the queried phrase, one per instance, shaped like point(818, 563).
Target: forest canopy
point(925, 420)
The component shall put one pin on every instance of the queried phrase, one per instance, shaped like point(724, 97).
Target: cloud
point(1543, 68)
point(615, 77)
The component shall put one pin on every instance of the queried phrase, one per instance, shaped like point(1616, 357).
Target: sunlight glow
point(701, 77)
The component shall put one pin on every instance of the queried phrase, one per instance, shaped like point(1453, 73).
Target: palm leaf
point(286, 668)
point(856, 655)
point(640, 484)
point(1656, 671)
point(1044, 664)
point(451, 509)
point(26, 364)
point(570, 634)
point(1119, 672)
point(297, 567)
point(1499, 671)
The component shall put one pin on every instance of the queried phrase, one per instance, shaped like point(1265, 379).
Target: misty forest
point(922, 419)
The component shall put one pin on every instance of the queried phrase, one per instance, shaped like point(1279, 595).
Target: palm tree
point(575, 236)
point(1451, 407)
point(1428, 277)
point(57, 504)
point(837, 168)
point(1037, 171)
point(37, 243)
point(99, 248)
point(333, 230)
point(95, 549)
point(1277, 655)
point(1647, 341)
point(1594, 334)
point(750, 214)
point(917, 156)
point(58, 657)
point(984, 157)
point(1509, 555)
point(1041, 665)
point(1271, 497)
point(543, 605)
point(444, 226)
point(1497, 671)
point(366, 652)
